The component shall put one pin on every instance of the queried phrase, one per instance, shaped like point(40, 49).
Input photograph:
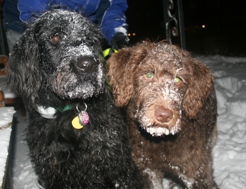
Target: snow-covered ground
point(230, 151)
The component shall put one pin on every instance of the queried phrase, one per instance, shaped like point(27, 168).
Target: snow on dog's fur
point(170, 104)
point(57, 68)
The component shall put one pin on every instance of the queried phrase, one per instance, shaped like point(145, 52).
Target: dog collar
point(78, 122)
point(49, 112)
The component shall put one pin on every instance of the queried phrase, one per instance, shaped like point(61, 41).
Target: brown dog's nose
point(163, 114)
point(87, 63)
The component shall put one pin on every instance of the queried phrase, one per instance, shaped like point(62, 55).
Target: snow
point(229, 152)
point(6, 117)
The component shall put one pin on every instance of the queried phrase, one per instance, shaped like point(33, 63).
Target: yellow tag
point(76, 124)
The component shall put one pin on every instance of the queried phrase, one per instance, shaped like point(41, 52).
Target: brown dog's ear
point(120, 77)
point(121, 68)
point(200, 86)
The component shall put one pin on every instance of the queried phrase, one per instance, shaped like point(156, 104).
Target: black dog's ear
point(24, 76)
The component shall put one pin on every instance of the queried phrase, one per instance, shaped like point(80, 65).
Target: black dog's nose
point(87, 63)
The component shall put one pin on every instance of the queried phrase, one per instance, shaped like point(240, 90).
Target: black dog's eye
point(56, 38)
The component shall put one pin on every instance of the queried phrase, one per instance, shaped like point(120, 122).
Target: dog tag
point(76, 123)
point(83, 117)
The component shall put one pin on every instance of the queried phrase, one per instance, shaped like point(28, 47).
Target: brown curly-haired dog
point(171, 111)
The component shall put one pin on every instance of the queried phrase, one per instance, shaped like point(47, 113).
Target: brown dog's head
point(159, 82)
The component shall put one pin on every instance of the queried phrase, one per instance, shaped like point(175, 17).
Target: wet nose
point(163, 114)
point(87, 63)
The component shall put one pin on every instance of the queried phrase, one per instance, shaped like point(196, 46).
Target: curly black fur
point(58, 61)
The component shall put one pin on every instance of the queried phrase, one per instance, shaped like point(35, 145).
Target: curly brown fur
point(57, 62)
point(170, 103)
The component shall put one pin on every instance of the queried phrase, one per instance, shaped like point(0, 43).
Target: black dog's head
point(58, 56)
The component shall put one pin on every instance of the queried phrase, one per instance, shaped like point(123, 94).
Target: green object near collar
point(66, 108)
point(107, 52)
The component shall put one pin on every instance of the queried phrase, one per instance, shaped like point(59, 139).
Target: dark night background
point(225, 22)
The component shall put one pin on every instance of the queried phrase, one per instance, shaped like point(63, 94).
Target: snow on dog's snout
point(161, 113)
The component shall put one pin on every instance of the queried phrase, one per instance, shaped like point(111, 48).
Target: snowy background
point(230, 151)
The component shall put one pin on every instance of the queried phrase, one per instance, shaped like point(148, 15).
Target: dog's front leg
point(154, 179)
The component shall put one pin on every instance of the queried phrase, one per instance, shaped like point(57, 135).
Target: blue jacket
point(11, 17)
point(109, 14)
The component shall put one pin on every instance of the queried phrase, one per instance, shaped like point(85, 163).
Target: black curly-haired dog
point(57, 68)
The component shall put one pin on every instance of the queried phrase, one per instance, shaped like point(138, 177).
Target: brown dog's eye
point(149, 75)
point(177, 81)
